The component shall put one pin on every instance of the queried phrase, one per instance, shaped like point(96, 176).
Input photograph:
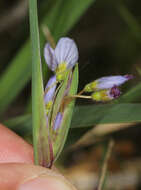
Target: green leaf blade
point(39, 123)
point(86, 116)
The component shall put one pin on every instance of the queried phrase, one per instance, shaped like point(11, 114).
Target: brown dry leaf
point(99, 131)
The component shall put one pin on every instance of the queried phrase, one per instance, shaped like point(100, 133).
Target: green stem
point(79, 96)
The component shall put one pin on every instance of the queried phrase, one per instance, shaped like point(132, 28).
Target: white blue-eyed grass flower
point(49, 93)
point(106, 83)
point(62, 58)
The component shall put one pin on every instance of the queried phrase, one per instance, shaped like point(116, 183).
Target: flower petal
point(50, 89)
point(111, 81)
point(66, 51)
point(58, 121)
point(50, 58)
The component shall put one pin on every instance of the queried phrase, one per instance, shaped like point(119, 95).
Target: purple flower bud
point(111, 81)
point(66, 52)
point(58, 121)
point(114, 92)
point(50, 89)
point(106, 94)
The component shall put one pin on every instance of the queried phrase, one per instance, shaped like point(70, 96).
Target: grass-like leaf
point(85, 116)
point(39, 124)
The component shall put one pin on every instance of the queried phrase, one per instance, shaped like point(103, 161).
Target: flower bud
point(106, 95)
point(107, 82)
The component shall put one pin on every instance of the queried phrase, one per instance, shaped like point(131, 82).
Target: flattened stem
point(39, 123)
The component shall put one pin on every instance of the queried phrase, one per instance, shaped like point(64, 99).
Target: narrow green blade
point(39, 123)
point(86, 116)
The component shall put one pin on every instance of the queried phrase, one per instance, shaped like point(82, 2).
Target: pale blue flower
point(62, 58)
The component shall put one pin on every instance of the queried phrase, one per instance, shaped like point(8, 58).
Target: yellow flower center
point(48, 106)
point(61, 71)
point(61, 67)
